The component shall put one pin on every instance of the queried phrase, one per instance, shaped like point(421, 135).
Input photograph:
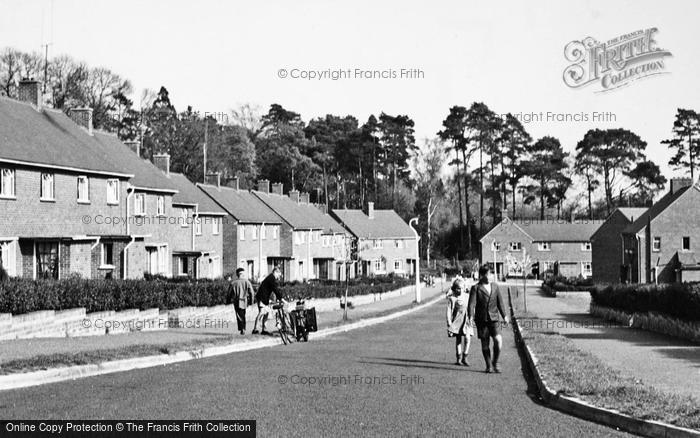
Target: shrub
point(569, 284)
point(3, 275)
point(680, 300)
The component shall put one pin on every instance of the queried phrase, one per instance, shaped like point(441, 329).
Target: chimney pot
point(264, 186)
point(294, 195)
point(30, 92)
point(213, 179)
point(304, 198)
point(278, 188)
point(162, 162)
point(134, 145)
point(679, 183)
point(82, 117)
point(235, 183)
point(370, 210)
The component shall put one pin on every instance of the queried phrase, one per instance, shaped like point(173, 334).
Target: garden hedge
point(21, 295)
point(680, 300)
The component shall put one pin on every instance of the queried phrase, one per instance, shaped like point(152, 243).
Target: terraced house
point(554, 246)
point(74, 200)
point(312, 244)
point(661, 245)
point(385, 243)
point(251, 230)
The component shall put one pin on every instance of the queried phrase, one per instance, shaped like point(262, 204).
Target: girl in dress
point(458, 325)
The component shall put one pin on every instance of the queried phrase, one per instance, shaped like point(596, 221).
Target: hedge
point(679, 300)
point(569, 284)
point(21, 295)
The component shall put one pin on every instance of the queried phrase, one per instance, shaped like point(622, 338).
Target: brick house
point(554, 246)
point(312, 244)
point(385, 243)
point(607, 244)
point(56, 190)
point(251, 230)
point(659, 246)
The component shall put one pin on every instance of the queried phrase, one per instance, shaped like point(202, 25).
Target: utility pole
point(206, 137)
point(46, 65)
point(415, 221)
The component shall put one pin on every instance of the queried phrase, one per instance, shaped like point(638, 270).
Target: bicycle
point(295, 325)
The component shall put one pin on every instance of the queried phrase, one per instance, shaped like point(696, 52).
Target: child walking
point(458, 325)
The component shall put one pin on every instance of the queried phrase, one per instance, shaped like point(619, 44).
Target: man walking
point(485, 309)
point(241, 295)
point(268, 287)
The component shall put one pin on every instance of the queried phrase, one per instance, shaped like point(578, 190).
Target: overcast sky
point(216, 54)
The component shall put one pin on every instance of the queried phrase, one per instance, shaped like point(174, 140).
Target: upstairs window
point(586, 246)
point(495, 246)
point(7, 183)
point(515, 246)
point(184, 216)
point(216, 226)
point(83, 189)
point(112, 191)
point(263, 232)
point(685, 243)
point(656, 244)
point(139, 204)
point(275, 231)
point(47, 187)
point(255, 232)
point(160, 206)
point(544, 246)
point(241, 232)
point(378, 244)
point(198, 226)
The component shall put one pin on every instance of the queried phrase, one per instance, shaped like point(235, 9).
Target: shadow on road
point(411, 363)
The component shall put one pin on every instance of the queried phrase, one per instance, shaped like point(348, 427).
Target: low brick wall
point(654, 322)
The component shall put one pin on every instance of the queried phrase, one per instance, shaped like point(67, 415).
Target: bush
point(3, 275)
point(680, 300)
point(569, 284)
point(21, 295)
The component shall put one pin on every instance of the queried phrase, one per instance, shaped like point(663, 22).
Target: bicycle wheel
point(283, 326)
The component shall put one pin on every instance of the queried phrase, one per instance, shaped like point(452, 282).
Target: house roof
point(145, 174)
point(552, 230)
point(241, 204)
point(386, 224)
point(629, 213)
point(189, 194)
point(656, 209)
point(49, 137)
point(302, 216)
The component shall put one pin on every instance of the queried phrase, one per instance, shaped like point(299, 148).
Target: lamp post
point(412, 221)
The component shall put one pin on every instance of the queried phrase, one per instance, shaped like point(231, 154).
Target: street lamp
point(412, 221)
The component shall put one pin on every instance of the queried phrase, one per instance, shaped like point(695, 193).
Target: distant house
point(385, 243)
point(554, 246)
point(607, 244)
point(251, 230)
point(313, 245)
point(662, 244)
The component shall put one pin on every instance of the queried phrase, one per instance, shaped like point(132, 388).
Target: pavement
point(391, 379)
point(219, 331)
point(669, 364)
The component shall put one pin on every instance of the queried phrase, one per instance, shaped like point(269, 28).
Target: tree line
point(477, 169)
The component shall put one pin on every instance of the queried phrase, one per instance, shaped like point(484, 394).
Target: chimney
point(213, 179)
point(304, 198)
point(294, 195)
point(235, 183)
point(370, 210)
point(162, 162)
point(679, 183)
point(317, 191)
point(264, 186)
point(82, 117)
point(30, 91)
point(134, 145)
point(278, 189)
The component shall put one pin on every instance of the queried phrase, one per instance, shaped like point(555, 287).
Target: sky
point(215, 55)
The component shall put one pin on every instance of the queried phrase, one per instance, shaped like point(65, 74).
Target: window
point(183, 266)
point(255, 232)
point(377, 244)
point(317, 236)
point(47, 187)
point(139, 204)
point(7, 257)
point(586, 269)
point(263, 232)
point(275, 231)
point(586, 246)
point(379, 266)
point(107, 258)
point(184, 216)
point(656, 244)
point(112, 191)
point(398, 243)
point(158, 260)
point(515, 246)
point(398, 265)
point(548, 266)
point(241, 232)
point(216, 226)
point(47, 260)
point(302, 273)
point(160, 206)
point(685, 244)
point(198, 226)
point(544, 246)
point(7, 183)
point(299, 237)
point(326, 241)
point(83, 189)
point(495, 246)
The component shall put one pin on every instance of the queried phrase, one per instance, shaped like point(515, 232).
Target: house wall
point(391, 253)
point(256, 250)
point(607, 249)
point(210, 265)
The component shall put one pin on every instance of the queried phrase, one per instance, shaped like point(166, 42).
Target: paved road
point(436, 398)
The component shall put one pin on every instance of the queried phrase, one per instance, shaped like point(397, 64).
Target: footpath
point(669, 364)
point(219, 333)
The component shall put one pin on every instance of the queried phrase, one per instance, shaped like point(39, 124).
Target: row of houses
point(653, 244)
point(75, 200)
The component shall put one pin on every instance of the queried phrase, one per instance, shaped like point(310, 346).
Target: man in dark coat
point(485, 309)
point(241, 296)
point(268, 288)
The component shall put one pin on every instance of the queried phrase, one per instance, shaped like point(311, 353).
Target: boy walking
point(485, 309)
point(241, 295)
